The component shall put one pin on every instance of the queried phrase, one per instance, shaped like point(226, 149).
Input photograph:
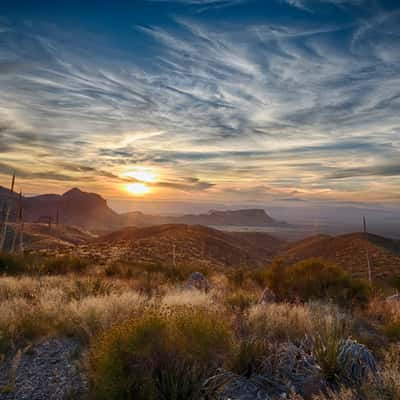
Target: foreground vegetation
point(150, 337)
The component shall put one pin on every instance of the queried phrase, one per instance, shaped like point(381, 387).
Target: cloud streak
point(305, 109)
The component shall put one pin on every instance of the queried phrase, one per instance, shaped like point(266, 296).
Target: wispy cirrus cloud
point(263, 109)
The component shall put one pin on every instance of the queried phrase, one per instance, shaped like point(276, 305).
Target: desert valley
point(200, 200)
point(278, 316)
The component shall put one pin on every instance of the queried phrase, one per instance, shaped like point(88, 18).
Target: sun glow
point(143, 175)
point(137, 189)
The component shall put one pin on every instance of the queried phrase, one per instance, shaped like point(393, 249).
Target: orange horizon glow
point(137, 189)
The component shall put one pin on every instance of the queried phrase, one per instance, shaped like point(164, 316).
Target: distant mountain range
point(90, 211)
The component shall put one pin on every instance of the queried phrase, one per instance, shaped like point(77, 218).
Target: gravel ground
point(48, 370)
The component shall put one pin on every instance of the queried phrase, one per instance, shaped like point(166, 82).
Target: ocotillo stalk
point(12, 183)
point(3, 216)
point(21, 220)
point(17, 229)
point(7, 214)
point(366, 250)
point(173, 256)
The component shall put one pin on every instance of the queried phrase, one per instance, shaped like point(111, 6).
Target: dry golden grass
point(32, 307)
point(280, 321)
point(381, 310)
point(286, 321)
point(187, 297)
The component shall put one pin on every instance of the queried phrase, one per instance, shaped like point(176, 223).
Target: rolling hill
point(349, 251)
point(193, 244)
point(38, 236)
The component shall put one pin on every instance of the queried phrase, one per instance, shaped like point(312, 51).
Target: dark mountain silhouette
point(245, 217)
point(90, 211)
point(74, 207)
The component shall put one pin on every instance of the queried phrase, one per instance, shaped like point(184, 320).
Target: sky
point(241, 101)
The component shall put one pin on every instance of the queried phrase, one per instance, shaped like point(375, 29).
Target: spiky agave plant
point(226, 385)
point(327, 343)
point(357, 363)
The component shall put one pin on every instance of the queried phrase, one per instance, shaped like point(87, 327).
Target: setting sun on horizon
point(137, 188)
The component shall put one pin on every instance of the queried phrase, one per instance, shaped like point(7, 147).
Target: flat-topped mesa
point(242, 217)
point(256, 214)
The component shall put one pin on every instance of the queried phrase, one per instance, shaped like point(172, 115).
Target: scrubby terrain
point(349, 251)
point(182, 244)
point(138, 325)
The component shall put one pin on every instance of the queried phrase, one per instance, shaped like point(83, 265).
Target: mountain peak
point(73, 192)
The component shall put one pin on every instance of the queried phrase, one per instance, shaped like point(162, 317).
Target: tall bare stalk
point(7, 215)
point(19, 222)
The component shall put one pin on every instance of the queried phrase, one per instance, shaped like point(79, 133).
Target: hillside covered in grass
point(350, 252)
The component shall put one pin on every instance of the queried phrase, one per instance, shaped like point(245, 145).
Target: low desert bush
point(392, 331)
point(395, 282)
point(63, 265)
point(316, 279)
point(4, 344)
point(240, 300)
point(14, 264)
point(236, 278)
point(386, 316)
point(259, 277)
point(386, 385)
point(250, 355)
point(188, 298)
point(35, 307)
point(341, 394)
point(159, 357)
point(118, 269)
point(280, 321)
point(82, 288)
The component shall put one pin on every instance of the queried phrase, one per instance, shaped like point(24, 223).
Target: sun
point(137, 189)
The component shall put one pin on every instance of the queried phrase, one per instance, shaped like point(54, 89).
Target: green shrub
point(392, 331)
point(12, 264)
point(250, 355)
point(395, 283)
point(89, 287)
point(4, 344)
point(259, 277)
point(236, 278)
point(159, 357)
point(64, 265)
point(316, 279)
point(240, 300)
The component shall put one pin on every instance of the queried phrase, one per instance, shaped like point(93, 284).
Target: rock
point(197, 280)
point(267, 297)
point(47, 370)
point(394, 298)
